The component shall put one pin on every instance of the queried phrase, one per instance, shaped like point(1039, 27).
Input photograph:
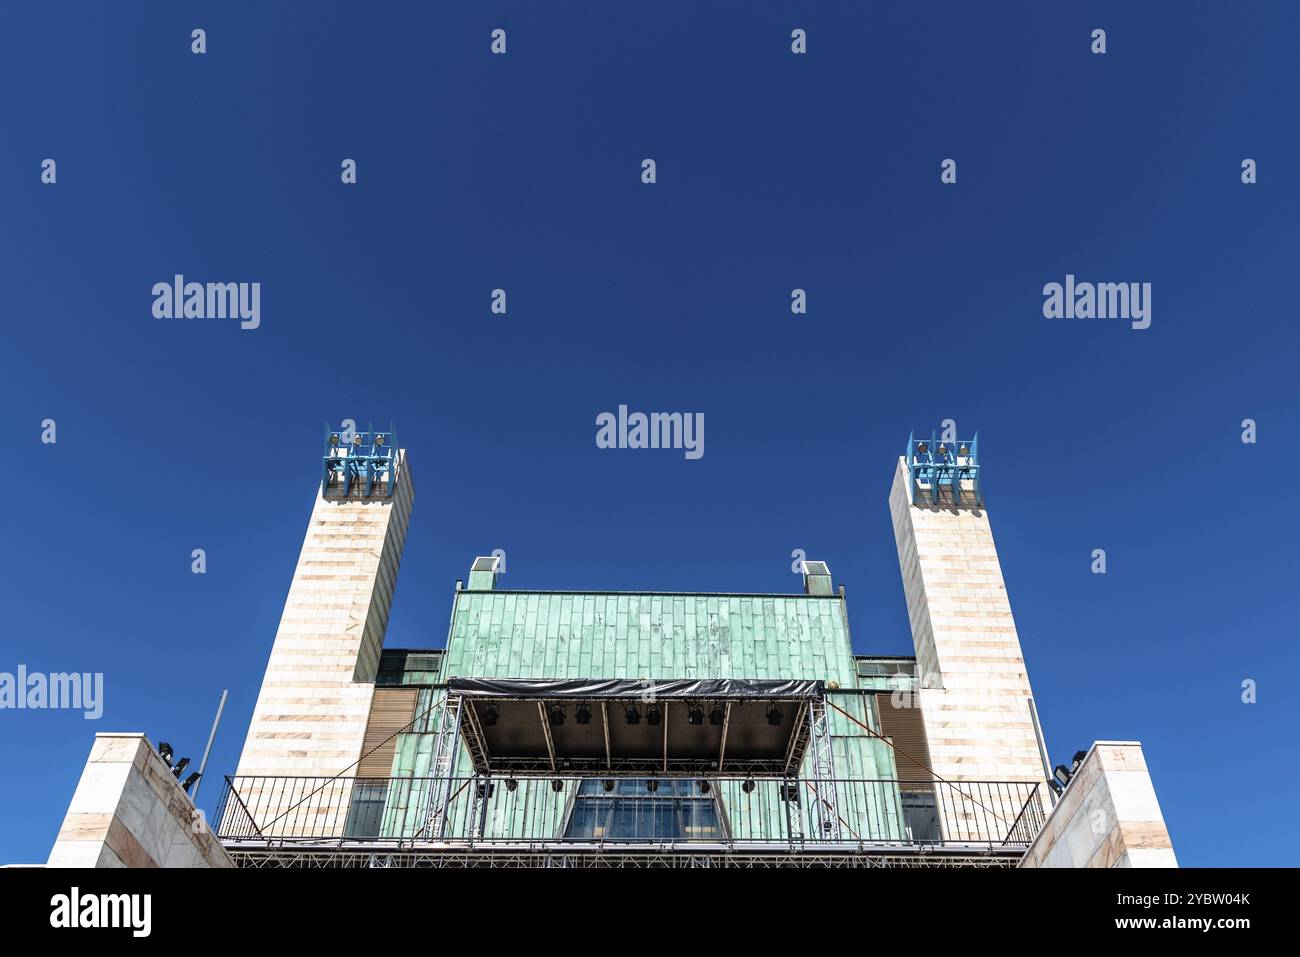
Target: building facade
point(592, 728)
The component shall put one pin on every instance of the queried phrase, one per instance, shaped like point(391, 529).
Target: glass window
point(632, 811)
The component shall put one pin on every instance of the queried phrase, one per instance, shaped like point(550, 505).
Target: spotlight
point(705, 787)
point(490, 715)
point(190, 781)
point(165, 752)
point(607, 784)
point(379, 440)
point(922, 447)
point(181, 765)
point(1062, 774)
point(695, 715)
point(653, 717)
point(334, 440)
point(557, 716)
point(356, 440)
point(1078, 760)
point(557, 785)
point(717, 716)
point(748, 786)
point(582, 715)
point(774, 716)
point(652, 785)
point(964, 450)
point(633, 715)
point(512, 784)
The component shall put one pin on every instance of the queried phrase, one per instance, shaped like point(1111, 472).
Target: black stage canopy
point(622, 727)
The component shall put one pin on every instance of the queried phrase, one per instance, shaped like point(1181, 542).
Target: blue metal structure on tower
point(352, 457)
point(944, 465)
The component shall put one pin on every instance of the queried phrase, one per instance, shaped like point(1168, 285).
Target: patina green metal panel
point(661, 636)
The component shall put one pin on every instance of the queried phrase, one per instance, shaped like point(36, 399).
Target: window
point(631, 811)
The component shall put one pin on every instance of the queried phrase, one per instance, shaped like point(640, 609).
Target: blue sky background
point(775, 171)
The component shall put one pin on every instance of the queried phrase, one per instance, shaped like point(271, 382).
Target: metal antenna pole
point(206, 751)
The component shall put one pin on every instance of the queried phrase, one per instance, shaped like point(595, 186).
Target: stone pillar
point(130, 811)
point(1108, 816)
point(310, 718)
point(975, 690)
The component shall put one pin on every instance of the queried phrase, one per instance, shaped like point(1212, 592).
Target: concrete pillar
point(310, 718)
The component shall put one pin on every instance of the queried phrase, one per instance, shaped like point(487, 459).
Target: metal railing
point(731, 812)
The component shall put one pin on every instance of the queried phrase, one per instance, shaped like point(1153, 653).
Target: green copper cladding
point(528, 634)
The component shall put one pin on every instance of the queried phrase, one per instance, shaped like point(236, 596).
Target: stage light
point(181, 765)
point(717, 716)
point(356, 440)
point(748, 786)
point(774, 716)
point(557, 785)
point(582, 715)
point(607, 784)
point(695, 715)
point(633, 715)
point(557, 716)
point(964, 450)
point(653, 717)
point(512, 784)
point(705, 787)
point(942, 449)
point(191, 781)
point(165, 752)
point(652, 785)
point(922, 447)
point(379, 440)
point(334, 440)
point(490, 715)
point(1078, 760)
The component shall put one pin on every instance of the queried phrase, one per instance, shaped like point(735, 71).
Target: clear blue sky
point(775, 171)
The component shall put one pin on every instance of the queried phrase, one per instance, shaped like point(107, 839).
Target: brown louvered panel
point(905, 727)
point(390, 711)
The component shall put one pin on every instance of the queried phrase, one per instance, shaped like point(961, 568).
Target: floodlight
point(334, 440)
point(653, 717)
point(922, 447)
point(582, 715)
point(165, 752)
point(490, 715)
point(356, 439)
point(379, 440)
point(557, 716)
point(942, 449)
point(181, 765)
point(1062, 774)
point(717, 716)
point(748, 786)
point(633, 715)
point(192, 780)
point(695, 715)
point(774, 716)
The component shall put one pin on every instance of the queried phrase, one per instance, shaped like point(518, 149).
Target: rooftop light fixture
point(165, 752)
point(180, 767)
point(942, 449)
point(192, 780)
point(379, 440)
point(922, 447)
point(1062, 775)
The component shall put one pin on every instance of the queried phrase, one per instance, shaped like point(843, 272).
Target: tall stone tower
point(975, 697)
point(310, 718)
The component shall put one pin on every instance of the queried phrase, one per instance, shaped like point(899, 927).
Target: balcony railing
point(999, 816)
